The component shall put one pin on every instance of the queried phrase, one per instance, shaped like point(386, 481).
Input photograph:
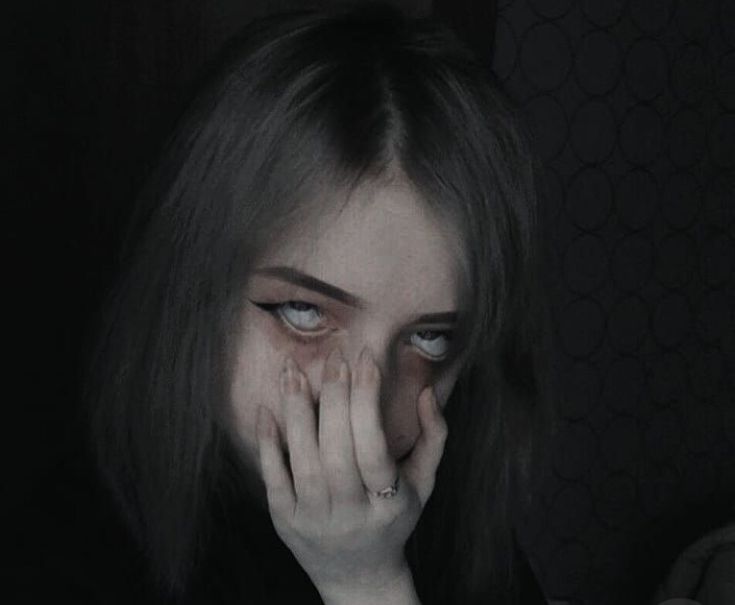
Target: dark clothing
point(68, 544)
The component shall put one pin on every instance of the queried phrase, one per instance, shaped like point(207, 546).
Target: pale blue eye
point(433, 343)
point(300, 315)
point(305, 317)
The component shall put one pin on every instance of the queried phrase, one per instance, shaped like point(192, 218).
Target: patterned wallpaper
point(632, 105)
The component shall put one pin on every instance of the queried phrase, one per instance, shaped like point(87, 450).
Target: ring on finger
point(388, 492)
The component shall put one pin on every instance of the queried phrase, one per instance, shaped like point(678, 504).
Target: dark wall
point(93, 89)
point(633, 105)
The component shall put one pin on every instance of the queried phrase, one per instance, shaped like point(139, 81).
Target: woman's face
point(369, 276)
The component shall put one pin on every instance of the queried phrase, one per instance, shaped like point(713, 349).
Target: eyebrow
point(296, 277)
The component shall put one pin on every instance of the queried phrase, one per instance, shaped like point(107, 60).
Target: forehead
point(383, 245)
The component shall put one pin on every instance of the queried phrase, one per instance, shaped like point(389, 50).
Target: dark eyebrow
point(449, 317)
point(310, 282)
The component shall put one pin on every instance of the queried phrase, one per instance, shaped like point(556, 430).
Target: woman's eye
point(433, 343)
point(303, 317)
point(300, 315)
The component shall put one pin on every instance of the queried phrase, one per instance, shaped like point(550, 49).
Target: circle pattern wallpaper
point(632, 114)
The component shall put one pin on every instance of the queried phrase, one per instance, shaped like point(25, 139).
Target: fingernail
point(366, 362)
point(434, 401)
point(332, 369)
point(292, 379)
point(365, 354)
point(367, 367)
point(343, 371)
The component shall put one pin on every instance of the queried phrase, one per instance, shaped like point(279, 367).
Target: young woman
point(320, 375)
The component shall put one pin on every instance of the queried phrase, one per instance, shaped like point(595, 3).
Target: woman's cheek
point(417, 371)
point(402, 391)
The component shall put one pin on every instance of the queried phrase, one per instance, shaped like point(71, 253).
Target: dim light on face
point(383, 274)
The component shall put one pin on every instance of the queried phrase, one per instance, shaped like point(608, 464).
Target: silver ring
point(389, 491)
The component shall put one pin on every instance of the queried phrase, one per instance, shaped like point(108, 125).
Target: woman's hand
point(348, 539)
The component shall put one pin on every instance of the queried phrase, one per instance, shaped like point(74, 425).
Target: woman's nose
point(396, 398)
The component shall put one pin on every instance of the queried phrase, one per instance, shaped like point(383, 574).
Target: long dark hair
point(304, 104)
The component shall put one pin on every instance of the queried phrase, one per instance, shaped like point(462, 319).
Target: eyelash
point(275, 310)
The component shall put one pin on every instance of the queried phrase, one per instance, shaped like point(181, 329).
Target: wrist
point(395, 588)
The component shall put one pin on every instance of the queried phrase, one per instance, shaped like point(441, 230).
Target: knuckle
point(374, 374)
point(311, 476)
point(376, 468)
point(369, 373)
point(334, 463)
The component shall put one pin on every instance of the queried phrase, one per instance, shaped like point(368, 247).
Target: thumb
point(420, 468)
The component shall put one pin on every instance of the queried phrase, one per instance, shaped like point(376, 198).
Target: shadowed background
point(633, 108)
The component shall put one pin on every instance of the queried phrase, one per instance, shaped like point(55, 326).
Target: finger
point(377, 468)
point(278, 485)
point(303, 450)
point(335, 433)
point(420, 468)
